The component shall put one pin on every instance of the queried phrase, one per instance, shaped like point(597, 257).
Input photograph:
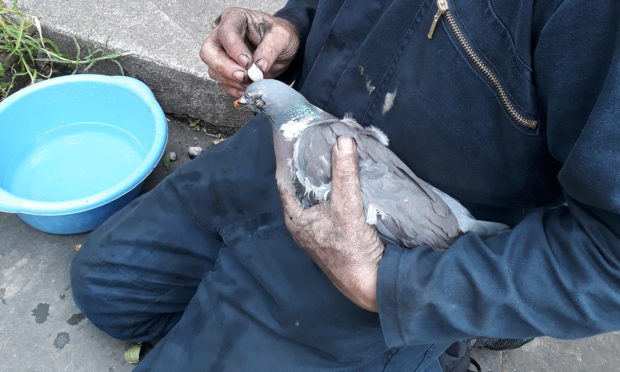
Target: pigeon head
point(283, 105)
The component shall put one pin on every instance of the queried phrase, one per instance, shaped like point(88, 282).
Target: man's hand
point(335, 234)
point(228, 49)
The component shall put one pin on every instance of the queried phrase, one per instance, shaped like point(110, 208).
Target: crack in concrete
point(501, 361)
point(169, 19)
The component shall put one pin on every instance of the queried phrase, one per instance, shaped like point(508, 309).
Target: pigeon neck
point(298, 117)
point(300, 111)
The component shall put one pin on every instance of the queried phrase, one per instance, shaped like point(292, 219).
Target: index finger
point(218, 60)
point(231, 34)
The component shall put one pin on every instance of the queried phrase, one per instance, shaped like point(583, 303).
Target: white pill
point(255, 73)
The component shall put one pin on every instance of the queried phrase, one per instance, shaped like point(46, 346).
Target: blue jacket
point(513, 108)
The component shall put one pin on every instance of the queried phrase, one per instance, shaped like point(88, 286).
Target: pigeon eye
point(259, 103)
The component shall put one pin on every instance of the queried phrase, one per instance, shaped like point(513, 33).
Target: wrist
point(360, 286)
point(368, 291)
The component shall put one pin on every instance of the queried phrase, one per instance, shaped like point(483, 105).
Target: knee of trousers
point(111, 300)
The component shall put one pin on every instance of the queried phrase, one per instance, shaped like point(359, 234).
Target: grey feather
point(405, 209)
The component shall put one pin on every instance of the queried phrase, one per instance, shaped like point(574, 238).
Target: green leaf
point(120, 67)
point(52, 45)
point(166, 160)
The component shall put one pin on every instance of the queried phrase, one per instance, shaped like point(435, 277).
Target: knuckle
point(270, 50)
point(204, 55)
point(228, 37)
point(213, 75)
point(206, 49)
point(231, 12)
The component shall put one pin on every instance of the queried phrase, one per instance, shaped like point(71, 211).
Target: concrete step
point(164, 39)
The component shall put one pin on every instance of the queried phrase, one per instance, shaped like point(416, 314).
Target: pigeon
point(405, 210)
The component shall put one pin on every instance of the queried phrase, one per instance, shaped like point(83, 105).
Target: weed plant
point(27, 57)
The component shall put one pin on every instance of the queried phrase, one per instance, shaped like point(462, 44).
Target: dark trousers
point(205, 260)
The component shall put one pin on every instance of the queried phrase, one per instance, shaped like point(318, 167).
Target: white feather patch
point(348, 119)
point(379, 135)
point(320, 192)
point(293, 128)
point(371, 215)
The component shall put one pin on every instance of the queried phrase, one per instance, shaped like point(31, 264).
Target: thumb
point(345, 174)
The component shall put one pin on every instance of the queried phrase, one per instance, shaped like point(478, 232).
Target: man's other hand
point(335, 234)
point(243, 37)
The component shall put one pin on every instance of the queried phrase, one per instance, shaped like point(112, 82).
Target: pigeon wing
point(406, 206)
point(312, 166)
point(405, 209)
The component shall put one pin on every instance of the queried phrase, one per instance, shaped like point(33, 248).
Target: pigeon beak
point(239, 102)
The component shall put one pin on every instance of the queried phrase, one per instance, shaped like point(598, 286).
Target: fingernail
point(345, 145)
point(245, 60)
point(239, 75)
point(262, 64)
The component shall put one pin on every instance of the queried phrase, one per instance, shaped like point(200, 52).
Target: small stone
point(172, 156)
point(219, 140)
point(194, 151)
point(254, 73)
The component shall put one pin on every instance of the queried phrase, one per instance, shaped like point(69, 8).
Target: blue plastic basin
point(75, 149)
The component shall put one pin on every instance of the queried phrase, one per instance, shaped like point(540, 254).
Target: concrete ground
point(40, 327)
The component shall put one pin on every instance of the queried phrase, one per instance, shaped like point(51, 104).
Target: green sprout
point(195, 125)
point(166, 160)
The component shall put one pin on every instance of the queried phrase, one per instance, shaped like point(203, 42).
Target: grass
point(195, 125)
point(27, 57)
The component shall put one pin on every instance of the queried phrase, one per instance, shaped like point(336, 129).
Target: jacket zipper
point(443, 9)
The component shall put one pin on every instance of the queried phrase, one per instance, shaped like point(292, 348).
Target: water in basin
point(73, 161)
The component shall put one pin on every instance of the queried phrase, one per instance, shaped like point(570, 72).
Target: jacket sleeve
point(301, 14)
point(557, 273)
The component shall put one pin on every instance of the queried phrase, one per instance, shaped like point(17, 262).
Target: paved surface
point(40, 327)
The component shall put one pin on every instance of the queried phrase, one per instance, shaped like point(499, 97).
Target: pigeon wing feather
point(407, 210)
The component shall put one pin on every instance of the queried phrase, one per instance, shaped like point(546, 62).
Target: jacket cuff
point(388, 296)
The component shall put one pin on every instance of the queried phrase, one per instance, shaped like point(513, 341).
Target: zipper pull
point(442, 7)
